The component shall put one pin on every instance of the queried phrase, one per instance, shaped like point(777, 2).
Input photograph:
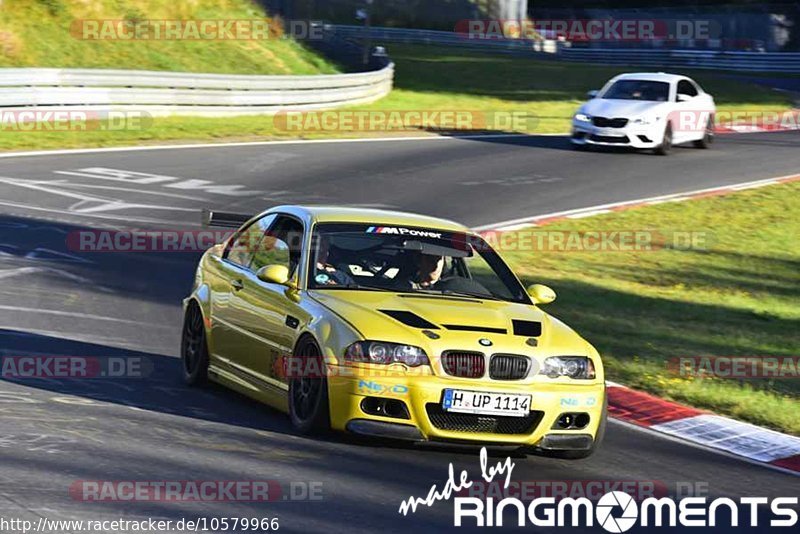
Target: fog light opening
point(565, 420)
point(581, 420)
point(572, 421)
point(385, 407)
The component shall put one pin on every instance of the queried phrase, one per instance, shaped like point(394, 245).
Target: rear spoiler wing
point(223, 219)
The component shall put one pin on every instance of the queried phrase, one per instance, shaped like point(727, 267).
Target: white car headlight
point(579, 367)
point(582, 117)
point(385, 353)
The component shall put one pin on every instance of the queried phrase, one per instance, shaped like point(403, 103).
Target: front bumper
point(425, 420)
point(632, 135)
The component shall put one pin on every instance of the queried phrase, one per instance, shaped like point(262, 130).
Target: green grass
point(427, 78)
point(37, 33)
point(737, 296)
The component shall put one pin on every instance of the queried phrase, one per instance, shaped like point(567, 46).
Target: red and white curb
point(704, 428)
point(580, 213)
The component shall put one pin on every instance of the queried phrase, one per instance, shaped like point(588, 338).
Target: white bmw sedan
point(647, 111)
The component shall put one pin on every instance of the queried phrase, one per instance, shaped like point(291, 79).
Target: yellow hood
point(459, 322)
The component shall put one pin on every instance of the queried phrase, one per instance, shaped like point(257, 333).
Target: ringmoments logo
point(620, 521)
point(615, 511)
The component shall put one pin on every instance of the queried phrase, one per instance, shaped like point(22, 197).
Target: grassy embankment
point(737, 295)
point(428, 78)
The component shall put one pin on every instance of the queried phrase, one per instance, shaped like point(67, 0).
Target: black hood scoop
point(410, 319)
point(527, 328)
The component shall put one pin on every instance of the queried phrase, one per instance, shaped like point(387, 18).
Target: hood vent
point(410, 319)
point(467, 328)
point(527, 328)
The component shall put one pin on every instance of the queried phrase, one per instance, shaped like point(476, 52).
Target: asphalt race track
point(56, 300)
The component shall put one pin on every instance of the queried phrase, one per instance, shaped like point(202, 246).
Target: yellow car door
point(269, 314)
point(231, 345)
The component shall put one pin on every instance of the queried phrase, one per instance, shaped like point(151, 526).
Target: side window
point(281, 245)
point(240, 250)
point(685, 87)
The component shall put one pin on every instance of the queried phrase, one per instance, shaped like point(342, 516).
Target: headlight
point(385, 353)
point(582, 117)
point(579, 367)
point(646, 120)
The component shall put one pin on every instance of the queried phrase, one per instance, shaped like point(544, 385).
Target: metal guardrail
point(171, 93)
point(412, 36)
point(788, 62)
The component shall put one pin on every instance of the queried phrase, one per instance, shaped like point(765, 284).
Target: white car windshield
point(414, 260)
point(646, 90)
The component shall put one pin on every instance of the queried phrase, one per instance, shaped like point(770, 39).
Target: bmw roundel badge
point(485, 342)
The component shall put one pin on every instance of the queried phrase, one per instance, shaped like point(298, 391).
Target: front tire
point(708, 137)
point(308, 393)
point(194, 348)
point(666, 144)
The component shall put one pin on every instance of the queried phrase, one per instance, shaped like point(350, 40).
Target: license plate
point(481, 402)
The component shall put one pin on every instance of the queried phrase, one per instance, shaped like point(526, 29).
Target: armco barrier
point(412, 36)
point(171, 93)
point(693, 59)
point(788, 62)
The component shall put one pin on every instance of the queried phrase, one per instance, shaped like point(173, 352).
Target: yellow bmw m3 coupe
point(389, 324)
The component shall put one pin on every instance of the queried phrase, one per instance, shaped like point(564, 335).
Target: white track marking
point(124, 218)
point(65, 183)
point(79, 315)
point(102, 204)
point(109, 341)
point(174, 182)
point(591, 213)
point(753, 186)
point(36, 254)
point(673, 197)
point(10, 273)
point(69, 151)
point(514, 227)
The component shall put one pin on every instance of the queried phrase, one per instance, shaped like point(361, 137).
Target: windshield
point(406, 259)
point(638, 90)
